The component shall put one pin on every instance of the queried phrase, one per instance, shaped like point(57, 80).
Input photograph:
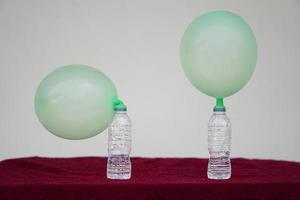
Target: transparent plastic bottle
point(119, 145)
point(219, 144)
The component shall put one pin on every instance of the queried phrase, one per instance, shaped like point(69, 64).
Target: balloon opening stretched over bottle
point(119, 106)
point(219, 105)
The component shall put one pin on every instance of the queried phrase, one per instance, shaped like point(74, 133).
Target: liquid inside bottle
point(219, 143)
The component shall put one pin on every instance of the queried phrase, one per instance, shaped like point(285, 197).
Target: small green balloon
point(75, 102)
point(218, 53)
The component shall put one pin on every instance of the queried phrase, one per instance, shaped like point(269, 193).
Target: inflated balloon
point(218, 53)
point(75, 102)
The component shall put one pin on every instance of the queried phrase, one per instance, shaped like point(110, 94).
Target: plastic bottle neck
point(219, 112)
point(121, 112)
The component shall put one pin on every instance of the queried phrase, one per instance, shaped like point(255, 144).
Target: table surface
point(152, 178)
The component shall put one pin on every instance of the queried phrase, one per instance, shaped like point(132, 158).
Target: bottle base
point(218, 177)
point(118, 177)
point(219, 167)
point(118, 167)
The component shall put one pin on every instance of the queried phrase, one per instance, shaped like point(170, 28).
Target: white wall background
point(136, 43)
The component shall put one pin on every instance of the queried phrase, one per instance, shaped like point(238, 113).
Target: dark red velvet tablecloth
point(152, 179)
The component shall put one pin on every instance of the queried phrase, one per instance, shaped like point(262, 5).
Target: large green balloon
point(218, 53)
point(75, 102)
